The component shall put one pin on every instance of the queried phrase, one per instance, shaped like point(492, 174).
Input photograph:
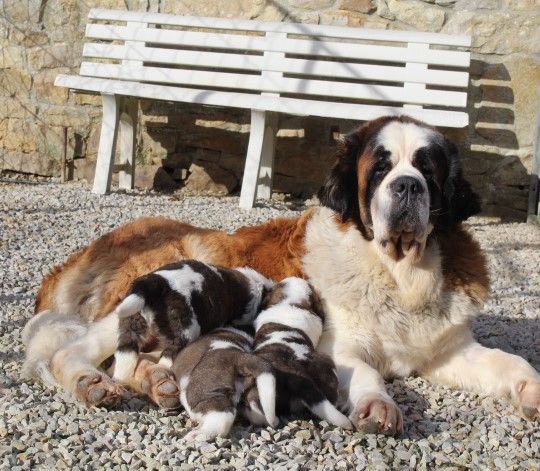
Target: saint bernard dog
point(399, 277)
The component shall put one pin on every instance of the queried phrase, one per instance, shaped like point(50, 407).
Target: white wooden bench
point(269, 68)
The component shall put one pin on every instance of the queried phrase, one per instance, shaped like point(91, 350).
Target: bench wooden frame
point(269, 68)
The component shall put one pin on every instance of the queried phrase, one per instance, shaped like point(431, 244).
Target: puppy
point(212, 372)
point(287, 332)
point(178, 303)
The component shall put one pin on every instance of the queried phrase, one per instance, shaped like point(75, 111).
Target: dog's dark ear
point(340, 190)
point(461, 201)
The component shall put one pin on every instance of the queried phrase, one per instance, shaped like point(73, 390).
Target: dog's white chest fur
point(394, 316)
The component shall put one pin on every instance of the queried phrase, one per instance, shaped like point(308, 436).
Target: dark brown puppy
point(212, 373)
point(287, 331)
point(179, 302)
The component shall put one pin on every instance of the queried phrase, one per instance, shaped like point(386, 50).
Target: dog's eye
point(427, 170)
point(380, 168)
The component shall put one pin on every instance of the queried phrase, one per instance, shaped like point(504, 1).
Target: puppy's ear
point(462, 202)
point(340, 190)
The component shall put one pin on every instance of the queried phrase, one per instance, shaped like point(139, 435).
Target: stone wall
point(203, 149)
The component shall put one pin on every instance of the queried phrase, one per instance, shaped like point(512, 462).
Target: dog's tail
point(262, 372)
point(131, 305)
point(43, 335)
point(314, 399)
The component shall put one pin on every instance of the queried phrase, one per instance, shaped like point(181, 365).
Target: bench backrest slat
point(290, 28)
point(202, 40)
point(258, 83)
point(250, 62)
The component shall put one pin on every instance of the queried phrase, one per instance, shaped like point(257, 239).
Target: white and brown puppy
point(287, 331)
point(212, 373)
point(179, 302)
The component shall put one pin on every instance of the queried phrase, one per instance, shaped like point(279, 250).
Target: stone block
point(210, 179)
point(11, 57)
point(50, 142)
point(45, 90)
point(334, 17)
point(54, 56)
point(65, 116)
point(33, 38)
point(87, 99)
point(33, 163)
point(417, 14)
point(521, 4)
point(310, 4)
point(15, 82)
point(218, 8)
point(361, 6)
point(20, 136)
point(157, 144)
point(16, 11)
point(17, 107)
point(498, 32)
point(477, 5)
point(524, 71)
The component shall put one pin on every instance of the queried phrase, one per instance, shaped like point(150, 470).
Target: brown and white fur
point(212, 373)
point(398, 290)
point(180, 301)
point(286, 333)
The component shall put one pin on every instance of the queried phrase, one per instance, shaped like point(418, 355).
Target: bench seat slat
point(320, 68)
point(259, 102)
point(291, 28)
point(257, 83)
point(202, 40)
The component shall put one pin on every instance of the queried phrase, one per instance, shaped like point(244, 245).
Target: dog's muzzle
point(408, 218)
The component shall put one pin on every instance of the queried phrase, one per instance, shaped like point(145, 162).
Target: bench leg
point(128, 139)
point(266, 171)
point(107, 144)
point(261, 142)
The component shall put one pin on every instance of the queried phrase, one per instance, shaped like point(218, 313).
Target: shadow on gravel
point(513, 335)
point(11, 356)
point(9, 298)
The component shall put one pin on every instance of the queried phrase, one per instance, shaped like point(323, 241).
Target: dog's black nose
point(406, 187)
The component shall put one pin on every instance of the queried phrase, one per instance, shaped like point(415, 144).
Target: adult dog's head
point(398, 180)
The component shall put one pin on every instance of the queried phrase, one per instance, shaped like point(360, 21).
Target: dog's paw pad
point(377, 414)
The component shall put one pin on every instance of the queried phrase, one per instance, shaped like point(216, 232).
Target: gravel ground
point(41, 223)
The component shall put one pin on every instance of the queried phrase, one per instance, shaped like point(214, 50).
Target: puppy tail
point(266, 384)
point(130, 306)
point(251, 365)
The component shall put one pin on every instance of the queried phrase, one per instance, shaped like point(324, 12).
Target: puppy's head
point(398, 179)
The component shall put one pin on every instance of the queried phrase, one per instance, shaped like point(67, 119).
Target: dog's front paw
point(97, 389)
point(375, 413)
point(528, 398)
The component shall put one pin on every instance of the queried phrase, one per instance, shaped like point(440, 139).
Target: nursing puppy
point(212, 372)
point(287, 331)
point(178, 303)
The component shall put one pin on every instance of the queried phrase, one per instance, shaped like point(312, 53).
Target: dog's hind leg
point(132, 329)
point(315, 400)
point(74, 365)
point(215, 416)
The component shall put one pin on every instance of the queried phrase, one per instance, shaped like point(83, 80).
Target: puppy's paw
point(161, 387)
point(97, 389)
point(197, 435)
point(375, 413)
point(528, 398)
